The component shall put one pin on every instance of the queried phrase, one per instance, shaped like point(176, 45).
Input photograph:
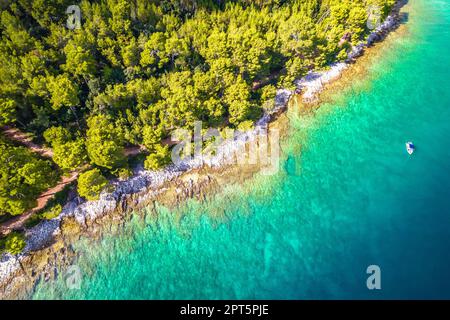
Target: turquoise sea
point(347, 196)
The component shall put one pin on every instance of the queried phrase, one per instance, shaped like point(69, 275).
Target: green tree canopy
point(104, 144)
point(7, 111)
point(158, 158)
point(14, 243)
point(91, 183)
point(63, 92)
point(23, 177)
point(57, 135)
point(70, 155)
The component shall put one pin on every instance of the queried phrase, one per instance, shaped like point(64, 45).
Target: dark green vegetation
point(13, 243)
point(136, 70)
point(91, 183)
point(23, 176)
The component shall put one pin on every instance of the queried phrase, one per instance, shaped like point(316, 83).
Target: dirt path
point(133, 151)
point(18, 222)
point(24, 139)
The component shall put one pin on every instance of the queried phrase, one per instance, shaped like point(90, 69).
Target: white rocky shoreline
point(147, 182)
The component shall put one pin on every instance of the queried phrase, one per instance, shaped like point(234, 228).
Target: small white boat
point(410, 147)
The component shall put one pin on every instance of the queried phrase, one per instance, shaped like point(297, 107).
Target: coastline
point(48, 244)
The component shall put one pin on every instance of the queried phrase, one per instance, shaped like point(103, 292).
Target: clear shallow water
point(351, 198)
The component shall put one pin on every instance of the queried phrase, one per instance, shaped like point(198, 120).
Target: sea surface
point(347, 196)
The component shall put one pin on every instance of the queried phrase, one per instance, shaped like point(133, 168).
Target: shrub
point(245, 125)
point(23, 177)
point(52, 212)
point(70, 155)
point(91, 183)
point(158, 159)
point(123, 173)
point(15, 243)
point(268, 94)
point(57, 135)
